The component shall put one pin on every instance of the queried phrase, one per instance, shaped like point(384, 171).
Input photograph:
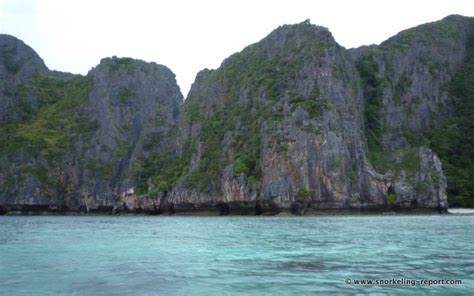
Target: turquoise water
point(139, 255)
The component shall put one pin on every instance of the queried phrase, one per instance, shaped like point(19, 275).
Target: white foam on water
point(461, 211)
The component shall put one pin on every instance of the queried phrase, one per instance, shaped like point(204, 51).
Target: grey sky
point(188, 36)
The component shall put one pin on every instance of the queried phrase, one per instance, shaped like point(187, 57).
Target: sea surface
point(156, 255)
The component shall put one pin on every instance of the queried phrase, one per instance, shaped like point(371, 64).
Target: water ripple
point(232, 255)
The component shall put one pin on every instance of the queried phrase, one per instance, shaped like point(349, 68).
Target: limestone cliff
point(282, 125)
point(417, 86)
point(293, 123)
point(71, 141)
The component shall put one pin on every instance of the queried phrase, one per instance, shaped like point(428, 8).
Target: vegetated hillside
point(294, 122)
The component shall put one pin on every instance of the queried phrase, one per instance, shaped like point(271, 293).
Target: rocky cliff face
point(72, 141)
point(18, 64)
point(283, 125)
point(294, 122)
point(291, 108)
point(410, 92)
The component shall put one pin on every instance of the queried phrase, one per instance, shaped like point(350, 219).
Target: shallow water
point(154, 255)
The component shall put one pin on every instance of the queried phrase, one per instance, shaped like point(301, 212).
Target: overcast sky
point(188, 36)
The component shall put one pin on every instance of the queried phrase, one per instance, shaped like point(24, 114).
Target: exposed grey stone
point(308, 160)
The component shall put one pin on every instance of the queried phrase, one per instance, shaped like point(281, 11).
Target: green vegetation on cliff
point(454, 142)
point(7, 59)
point(452, 137)
point(373, 121)
point(160, 172)
point(439, 32)
point(49, 127)
point(262, 70)
point(379, 155)
point(232, 136)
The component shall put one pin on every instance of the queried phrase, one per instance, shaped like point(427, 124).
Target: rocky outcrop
point(415, 68)
point(412, 90)
point(292, 123)
point(75, 146)
point(18, 64)
point(134, 104)
point(281, 126)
